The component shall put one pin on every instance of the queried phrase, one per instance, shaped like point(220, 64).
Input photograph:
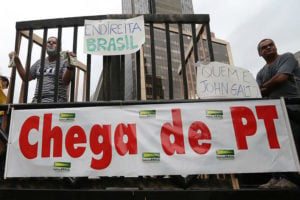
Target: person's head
point(4, 81)
point(267, 48)
point(52, 46)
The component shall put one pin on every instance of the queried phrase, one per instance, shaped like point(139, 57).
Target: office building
point(220, 47)
point(221, 51)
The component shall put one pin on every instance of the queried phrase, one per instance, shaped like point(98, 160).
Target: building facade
point(157, 7)
point(221, 51)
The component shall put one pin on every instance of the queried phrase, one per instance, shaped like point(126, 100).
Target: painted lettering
point(112, 44)
point(173, 130)
point(29, 150)
point(76, 140)
point(51, 134)
point(268, 114)
point(100, 140)
point(244, 124)
point(199, 131)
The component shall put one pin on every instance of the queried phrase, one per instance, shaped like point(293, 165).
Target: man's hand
point(12, 56)
point(72, 60)
point(264, 91)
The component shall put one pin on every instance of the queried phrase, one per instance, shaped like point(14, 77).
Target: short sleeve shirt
point(49, 81)
point(285, 64)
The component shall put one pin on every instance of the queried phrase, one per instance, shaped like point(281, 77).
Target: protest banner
point(114, 37)
point(220, 80)
point(247, 136)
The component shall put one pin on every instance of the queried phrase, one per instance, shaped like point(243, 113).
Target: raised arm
point(67, 76)
point(19, 66)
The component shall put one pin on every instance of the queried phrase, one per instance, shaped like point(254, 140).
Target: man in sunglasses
point(280, 74)
point(280, 77)
point(49, 74)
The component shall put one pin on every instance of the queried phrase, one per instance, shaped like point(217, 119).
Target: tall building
point(221, 51)
point(158, 7)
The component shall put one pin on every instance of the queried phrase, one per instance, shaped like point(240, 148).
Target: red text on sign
point(76, 140)
point(197, 131)
point(244, 124)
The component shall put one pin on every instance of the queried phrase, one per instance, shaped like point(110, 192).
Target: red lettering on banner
point(176, 130)
point(268, 114)
point(75, 140)
point(103, 147)
point(29, 150)
point(199, 131)
point(48, 134)
point(131, 144)
point(75, 135)
point(241, 129)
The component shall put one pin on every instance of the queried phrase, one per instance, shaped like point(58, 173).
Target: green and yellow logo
point(215, 114)
point(147, 113)
point(62, 166)
point(151, 156)
point(225, 153)
point(67, 116)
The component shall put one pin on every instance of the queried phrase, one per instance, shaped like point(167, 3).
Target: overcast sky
point(243, 23)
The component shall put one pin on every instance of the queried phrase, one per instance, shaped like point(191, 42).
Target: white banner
point(220, 80)
point(114, 37)
point(154, 139)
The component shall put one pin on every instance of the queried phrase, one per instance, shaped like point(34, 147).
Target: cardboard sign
point(154, 139)
point(219, 80)
point(114, 37)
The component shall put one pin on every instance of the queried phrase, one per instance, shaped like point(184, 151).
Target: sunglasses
point(267, 45)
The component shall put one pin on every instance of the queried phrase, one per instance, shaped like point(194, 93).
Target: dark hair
point(258, 48)
point(4, 78)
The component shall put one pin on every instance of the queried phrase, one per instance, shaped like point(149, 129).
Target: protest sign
point(219, 80)
point(114, 37)
point(152, 139)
